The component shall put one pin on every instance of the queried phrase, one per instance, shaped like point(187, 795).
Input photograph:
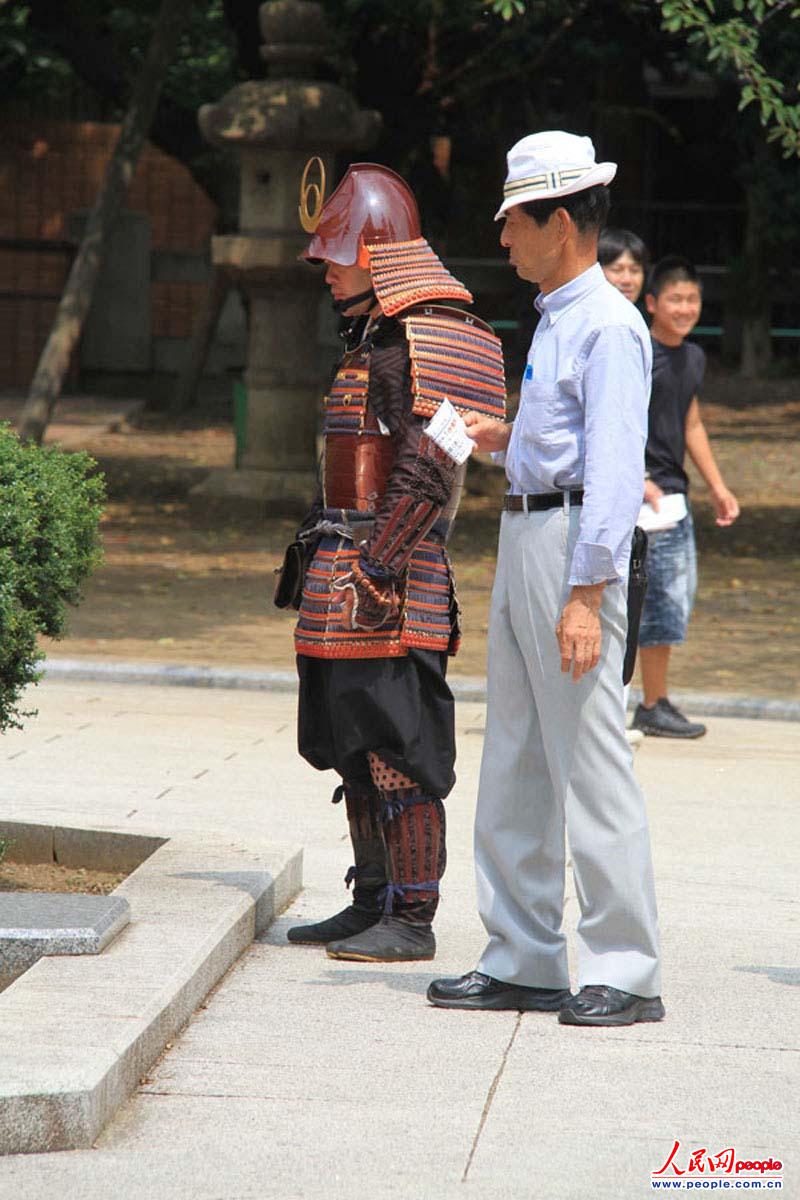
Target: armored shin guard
point(368, 873)
point(414, 831)
point(414, 828)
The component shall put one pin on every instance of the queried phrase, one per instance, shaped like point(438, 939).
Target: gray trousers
point(556, 757)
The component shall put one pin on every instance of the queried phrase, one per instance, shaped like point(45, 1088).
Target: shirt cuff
point(499, 457)
point(592, 563)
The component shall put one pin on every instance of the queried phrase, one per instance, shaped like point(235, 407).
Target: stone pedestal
point(282, 378)
point(275, 126)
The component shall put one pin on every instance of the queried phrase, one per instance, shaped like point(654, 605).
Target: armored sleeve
point(422, 478)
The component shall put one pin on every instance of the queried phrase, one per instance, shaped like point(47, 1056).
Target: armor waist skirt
point(428, 617)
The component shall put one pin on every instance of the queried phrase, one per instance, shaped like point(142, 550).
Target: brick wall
point(49, 169)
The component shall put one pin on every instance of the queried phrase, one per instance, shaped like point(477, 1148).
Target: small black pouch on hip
point(292, 574)
point(637, 586)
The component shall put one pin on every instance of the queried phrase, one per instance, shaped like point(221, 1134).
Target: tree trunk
point(756, 346)
point(202, 337)
point(79, 290)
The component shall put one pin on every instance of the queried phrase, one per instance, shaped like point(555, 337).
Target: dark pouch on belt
point(637, 586)
point(292, 574)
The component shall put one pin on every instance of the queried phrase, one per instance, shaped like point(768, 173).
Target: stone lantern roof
point(291, 109)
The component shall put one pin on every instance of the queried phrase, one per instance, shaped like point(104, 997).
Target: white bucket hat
point(543, 166)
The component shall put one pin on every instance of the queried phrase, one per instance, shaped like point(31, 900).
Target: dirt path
point(190, 581)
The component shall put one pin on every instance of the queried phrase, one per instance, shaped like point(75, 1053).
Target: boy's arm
point(725, 503)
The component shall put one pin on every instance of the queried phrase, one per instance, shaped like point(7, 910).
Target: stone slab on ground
point(78, 1034)
point(33, 924)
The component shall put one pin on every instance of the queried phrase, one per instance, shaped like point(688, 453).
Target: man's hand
point(652, 494)
point(487, 433)
point(578, 631)
point(726, 506)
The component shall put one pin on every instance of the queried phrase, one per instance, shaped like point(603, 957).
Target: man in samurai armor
point(378, 615)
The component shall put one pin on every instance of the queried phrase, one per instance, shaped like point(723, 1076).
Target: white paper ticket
point(449, 432)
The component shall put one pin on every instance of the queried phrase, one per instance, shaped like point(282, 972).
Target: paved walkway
point(304, 1077)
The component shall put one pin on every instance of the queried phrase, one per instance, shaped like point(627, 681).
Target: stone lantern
point(275, 125)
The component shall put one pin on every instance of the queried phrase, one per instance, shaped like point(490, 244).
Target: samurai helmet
point(372, 204)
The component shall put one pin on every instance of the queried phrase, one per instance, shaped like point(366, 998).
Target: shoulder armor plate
point(454, 356)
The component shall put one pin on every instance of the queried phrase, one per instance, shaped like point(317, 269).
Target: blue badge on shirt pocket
point(528, 371)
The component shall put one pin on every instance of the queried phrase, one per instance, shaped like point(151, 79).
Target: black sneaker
point(664, 720)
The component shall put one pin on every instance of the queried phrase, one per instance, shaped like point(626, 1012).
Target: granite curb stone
point(464, 687)
point(94, 849)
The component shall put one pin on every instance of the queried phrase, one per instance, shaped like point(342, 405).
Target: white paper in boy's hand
point(450, 433)
point(671, 509)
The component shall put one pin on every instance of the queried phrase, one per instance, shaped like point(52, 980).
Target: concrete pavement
point(304, 1077)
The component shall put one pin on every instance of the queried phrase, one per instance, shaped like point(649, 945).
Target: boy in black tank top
point(674, 301)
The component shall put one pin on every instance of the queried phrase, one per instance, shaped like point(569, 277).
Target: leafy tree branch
point(735, 43)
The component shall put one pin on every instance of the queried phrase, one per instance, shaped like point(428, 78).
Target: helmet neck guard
point(409, 273)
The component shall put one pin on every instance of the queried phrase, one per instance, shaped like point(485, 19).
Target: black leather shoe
point(345, 924)
point(665, 720)
point(475, 990)
point(599, 1004)
point(391, 940)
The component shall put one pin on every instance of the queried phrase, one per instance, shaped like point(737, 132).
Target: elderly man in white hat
point(556, 757)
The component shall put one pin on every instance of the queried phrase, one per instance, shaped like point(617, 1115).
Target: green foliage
point(733, 37)
point(50, 506)
point(506, 8)
point(203, 68)
point(5, 844)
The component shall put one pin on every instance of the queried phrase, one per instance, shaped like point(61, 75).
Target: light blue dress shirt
point(582, 419)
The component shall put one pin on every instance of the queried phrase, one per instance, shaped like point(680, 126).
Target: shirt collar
point(556, 303)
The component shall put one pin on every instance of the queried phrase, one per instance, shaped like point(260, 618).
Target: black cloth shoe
point(475, 990)
point(600, 1004)
point(664, 720)
point(391, 940)
point(349, 922)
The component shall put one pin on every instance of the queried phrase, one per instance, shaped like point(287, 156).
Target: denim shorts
point(671, 585)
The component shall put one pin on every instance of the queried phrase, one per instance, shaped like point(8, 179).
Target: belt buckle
point(525, 497)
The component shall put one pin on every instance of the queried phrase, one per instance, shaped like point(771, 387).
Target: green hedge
point(50, 508)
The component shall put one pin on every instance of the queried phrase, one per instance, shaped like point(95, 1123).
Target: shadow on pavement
point(788, 975)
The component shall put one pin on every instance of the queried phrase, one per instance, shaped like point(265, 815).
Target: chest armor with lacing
point(358, 456)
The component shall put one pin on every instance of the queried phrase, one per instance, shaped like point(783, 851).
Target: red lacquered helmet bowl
point(371, 204)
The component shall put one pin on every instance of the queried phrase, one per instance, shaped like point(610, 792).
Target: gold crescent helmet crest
point(312, 194)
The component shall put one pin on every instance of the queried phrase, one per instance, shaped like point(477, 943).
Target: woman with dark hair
point(623, 257)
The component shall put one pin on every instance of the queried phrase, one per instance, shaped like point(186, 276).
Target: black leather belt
point(539, 501)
